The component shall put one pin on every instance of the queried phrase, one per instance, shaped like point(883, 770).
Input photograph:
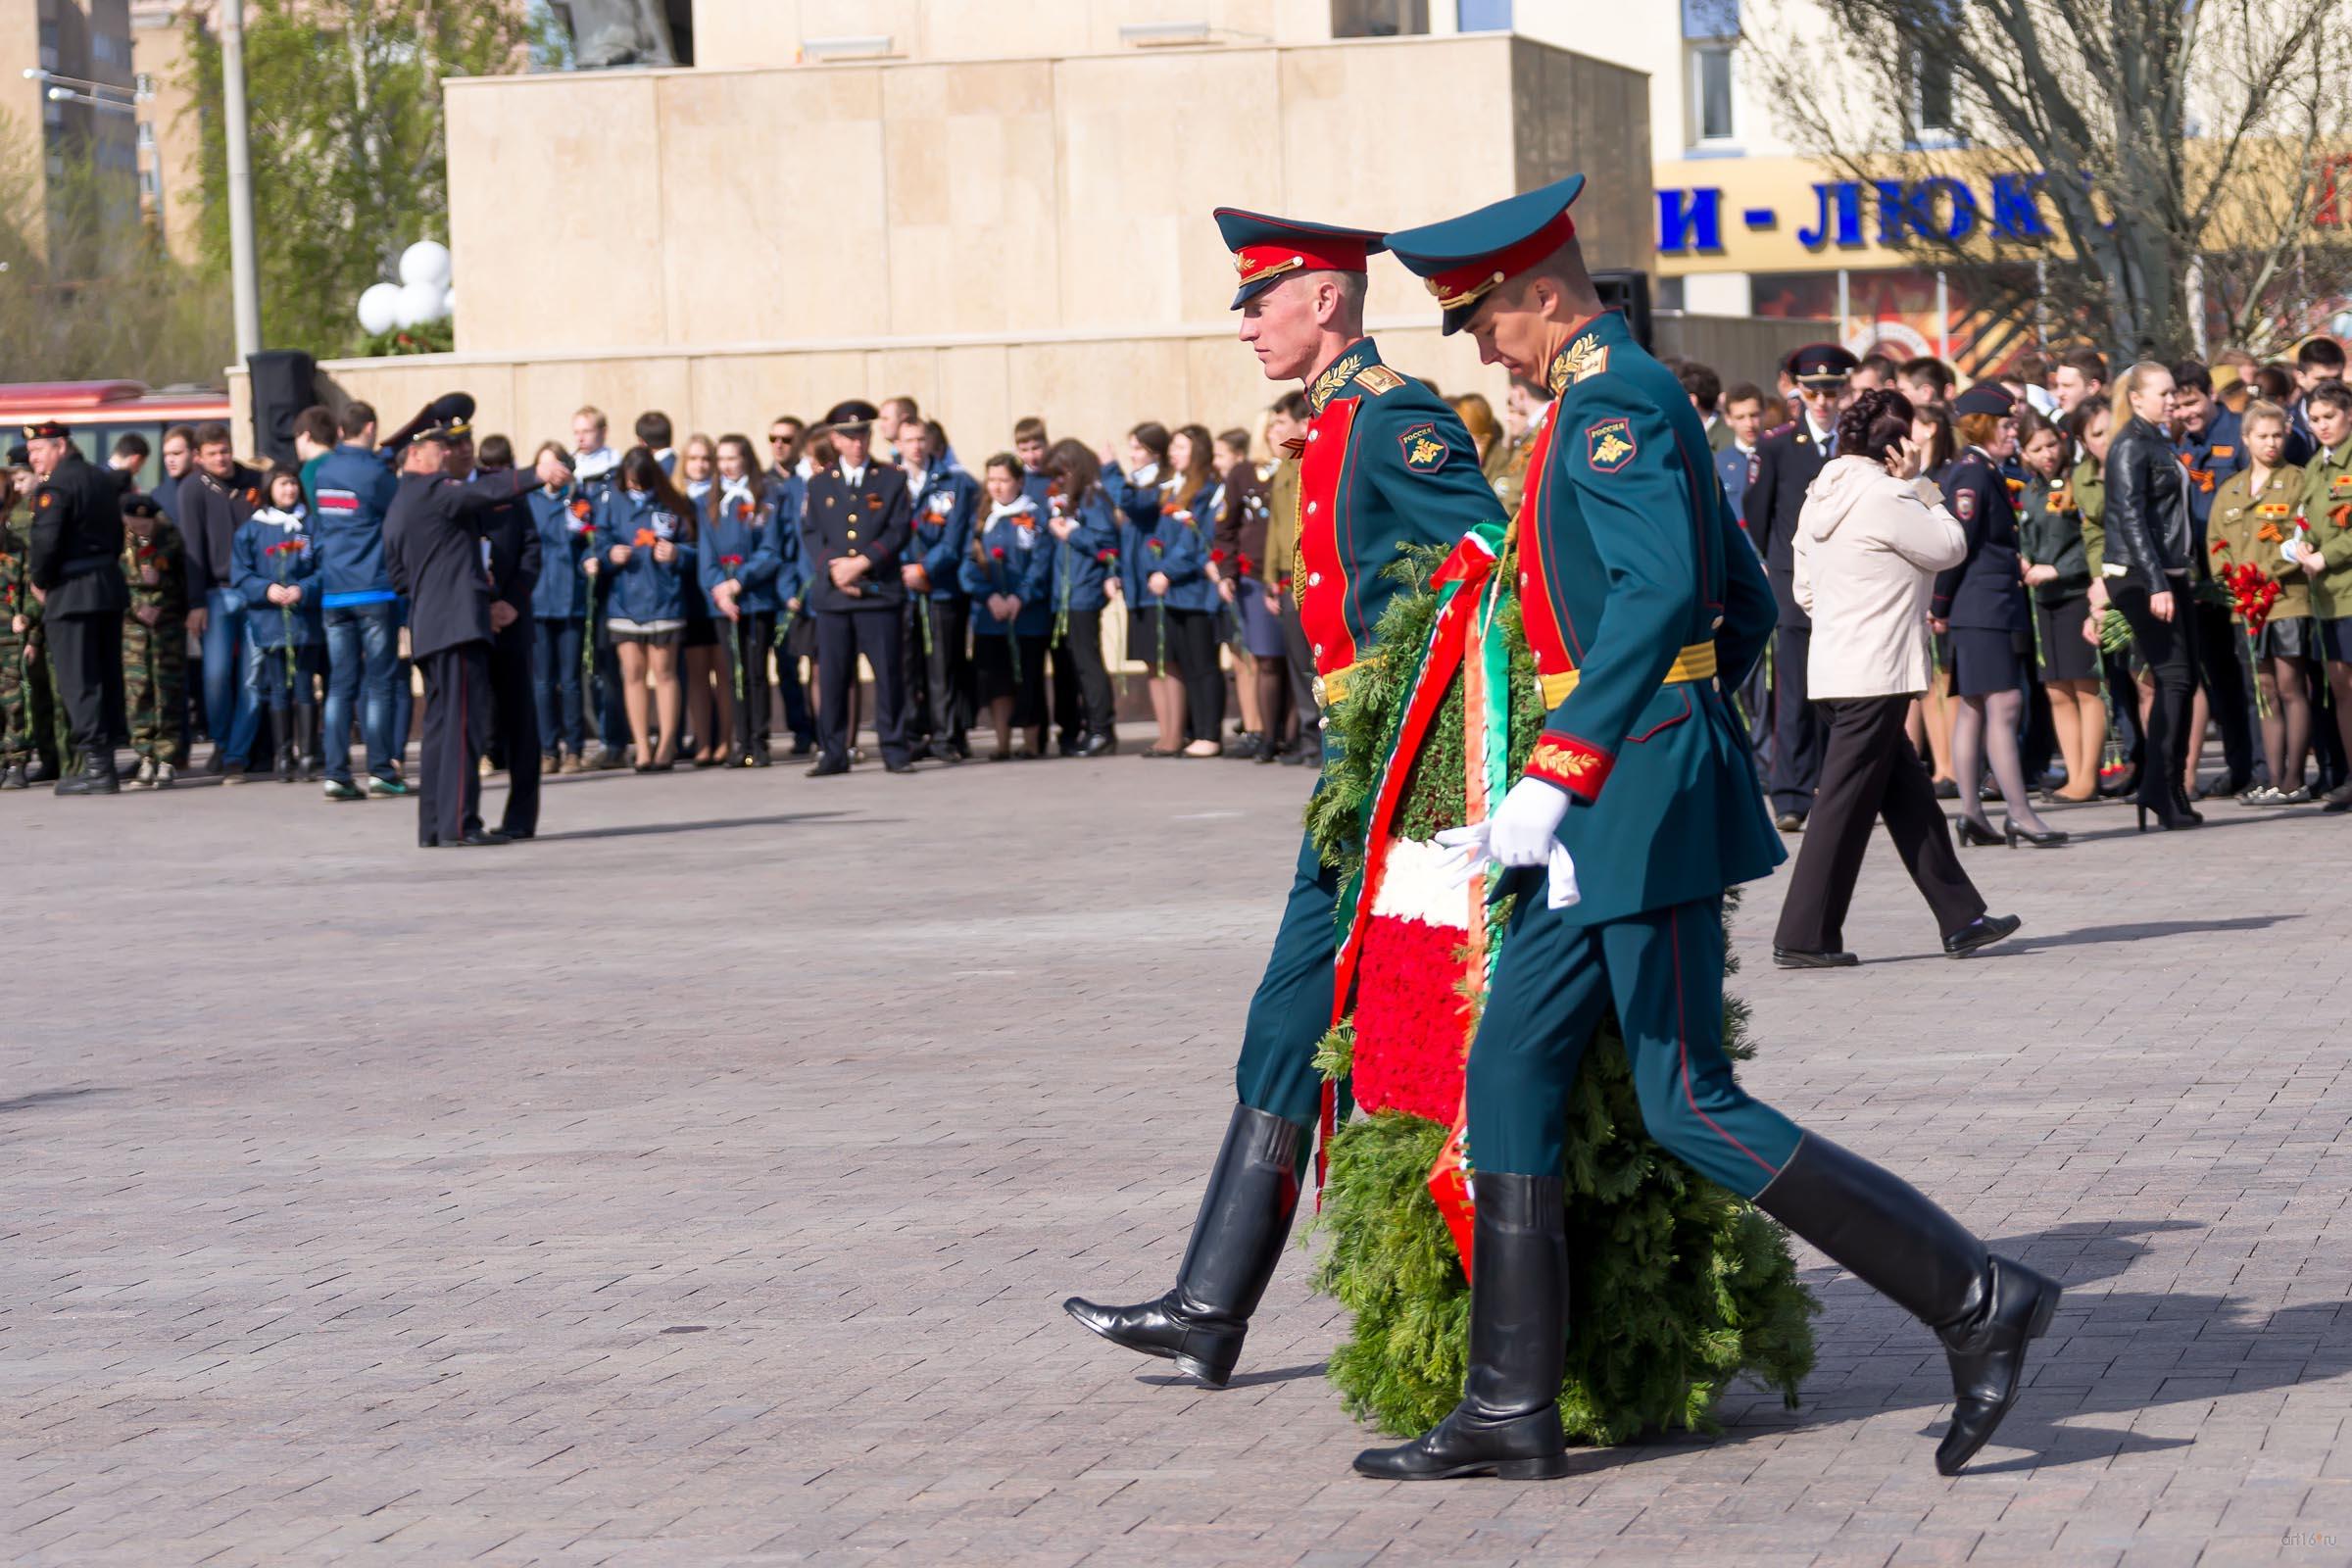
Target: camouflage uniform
point(20, 652)
point(155, 636)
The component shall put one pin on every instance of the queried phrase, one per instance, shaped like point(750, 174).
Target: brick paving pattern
point(698, 1186)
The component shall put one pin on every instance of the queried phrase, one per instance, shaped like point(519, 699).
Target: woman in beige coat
point(1868, 542)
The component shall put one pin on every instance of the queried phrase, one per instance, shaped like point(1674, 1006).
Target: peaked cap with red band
point(1266, 249)
point(1462, 259)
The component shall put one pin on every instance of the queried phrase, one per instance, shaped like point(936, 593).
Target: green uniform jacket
point(2325, 508)
point(2089, 488)
point(168, 556)
point(2049, 533)
point(1628, 559)
point(2235, 529)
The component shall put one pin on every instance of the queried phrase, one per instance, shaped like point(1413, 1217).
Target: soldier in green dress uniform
point(1638, 809)
point(1385, 463)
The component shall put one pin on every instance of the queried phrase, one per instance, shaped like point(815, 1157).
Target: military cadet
point(853, 533)
point(1386, 466)
point(2253, 518)
point(1086, 554)
point(1640, 604)
point(944, 501)
point(1786, 462)
point(2324, 514)
point(433, 551)
point(72, 547)
point(155, 638)
point(20, 646)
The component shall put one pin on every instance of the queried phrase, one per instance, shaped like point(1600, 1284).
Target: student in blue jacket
point(947, 502)
point(566, 523)
point(1188, 520)
point(1086, 554)
point(1135, 489)
point(795, 638)
point(1007, 571)
point(741, 563)
point(352, 486)
point(645, 558)
point(273, 566)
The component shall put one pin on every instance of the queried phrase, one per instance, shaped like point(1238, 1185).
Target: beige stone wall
point(1011, 197)
point(770, 32)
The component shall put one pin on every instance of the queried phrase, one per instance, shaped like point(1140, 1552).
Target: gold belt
point(1694, 663)
point(1331, 688)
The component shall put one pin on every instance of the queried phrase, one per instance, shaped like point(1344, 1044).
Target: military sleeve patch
point(1425, 450)
point(47, 500)
point(1964, 503)
point(1379, 378)
point(1609, 444)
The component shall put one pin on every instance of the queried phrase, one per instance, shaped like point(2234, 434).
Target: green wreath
point(1676, 1286)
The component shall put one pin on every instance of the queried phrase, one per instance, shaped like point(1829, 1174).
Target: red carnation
point(997, 550)
point(1217, 556)
point(1249, 568)
point(1106, 556)
point(1154, 541)
point(730, 562)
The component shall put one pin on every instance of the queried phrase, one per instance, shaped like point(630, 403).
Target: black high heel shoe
point(2047, 839)
point(1971, 833)
point(2170, 818)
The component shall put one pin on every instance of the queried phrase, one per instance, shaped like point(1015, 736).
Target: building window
point(1483, 16)
point(1379, 18)
point(1711, 116)
point(1931, 79)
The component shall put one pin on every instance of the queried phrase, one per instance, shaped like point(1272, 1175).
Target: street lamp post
point(244, 281)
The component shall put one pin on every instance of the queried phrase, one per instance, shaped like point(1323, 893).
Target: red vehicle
point(98, 412)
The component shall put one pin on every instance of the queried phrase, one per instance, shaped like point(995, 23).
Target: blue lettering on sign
point(1689, 220)
point(1839, 221)
point(1941, 206)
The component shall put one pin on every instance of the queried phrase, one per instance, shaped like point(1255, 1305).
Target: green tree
point(87, 291)
point(2180, 149)
point(348, 156)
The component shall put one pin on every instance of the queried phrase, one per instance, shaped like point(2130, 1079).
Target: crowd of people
point(2142, 561)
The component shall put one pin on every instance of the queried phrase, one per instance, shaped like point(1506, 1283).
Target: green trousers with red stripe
point(1663, 971)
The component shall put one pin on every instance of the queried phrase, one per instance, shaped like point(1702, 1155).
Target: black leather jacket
point(2149, 530)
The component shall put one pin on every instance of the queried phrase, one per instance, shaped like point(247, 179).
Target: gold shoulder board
point(1379, 378)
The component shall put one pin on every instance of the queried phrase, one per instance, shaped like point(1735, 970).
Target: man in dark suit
point(855, 525)
point(513, 538)
point(1785, 464)
point(433, 549)
point(71, 558)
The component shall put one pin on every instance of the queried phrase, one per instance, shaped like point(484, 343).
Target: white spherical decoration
point(426, 262)
point(448, 304)
point(379, 308)
point(419, 303)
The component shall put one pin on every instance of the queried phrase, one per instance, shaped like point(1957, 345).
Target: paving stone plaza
point(698, 1185)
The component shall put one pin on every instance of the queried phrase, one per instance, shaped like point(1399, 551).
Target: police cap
point(1986, 396)
point(854, 415)
point(1823, 363)
point(1462, 259)
point(45, 431)
point(1267, 248)
point(135, 505)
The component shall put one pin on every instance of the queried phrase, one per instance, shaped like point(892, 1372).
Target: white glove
point(1522, 832)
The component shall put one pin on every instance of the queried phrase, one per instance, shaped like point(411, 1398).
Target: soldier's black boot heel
point(1889, 1235)
point(1508, 1423)
point(1237, 1239)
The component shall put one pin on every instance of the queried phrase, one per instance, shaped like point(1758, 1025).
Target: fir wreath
point(1676, 1285)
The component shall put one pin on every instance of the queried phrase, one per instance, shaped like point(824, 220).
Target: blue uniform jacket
point(1176, 543)
point(2211, 459)
point(944, 510)
point(1081, 576)
point(567, 523)
point(254, 570)
point(645, 590)
point(355, 488)
point(784, 496)
point(1015, 557)
point(1985, 591)
point(1136, 495)
point(1735, 469)
point(739, 524)
point(1630, 558)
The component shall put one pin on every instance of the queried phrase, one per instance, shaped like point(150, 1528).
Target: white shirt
point(852, 477)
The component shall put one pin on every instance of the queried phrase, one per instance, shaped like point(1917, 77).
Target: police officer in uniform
point(1786, 461)
point(512, 554)
point(73, 556)
point(856, 526)
point(1383, 464)
point(433, 536)
point(1641, 604)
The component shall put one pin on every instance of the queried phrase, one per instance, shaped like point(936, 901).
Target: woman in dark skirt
point(2253, 518)
point(705, 674)
point(1982, 602)
point(2050, 528)
point(1007, 574)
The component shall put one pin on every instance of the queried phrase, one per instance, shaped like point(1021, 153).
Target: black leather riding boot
point(1237, 1239)
point(1508, 1423)
point(1984, 1308)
